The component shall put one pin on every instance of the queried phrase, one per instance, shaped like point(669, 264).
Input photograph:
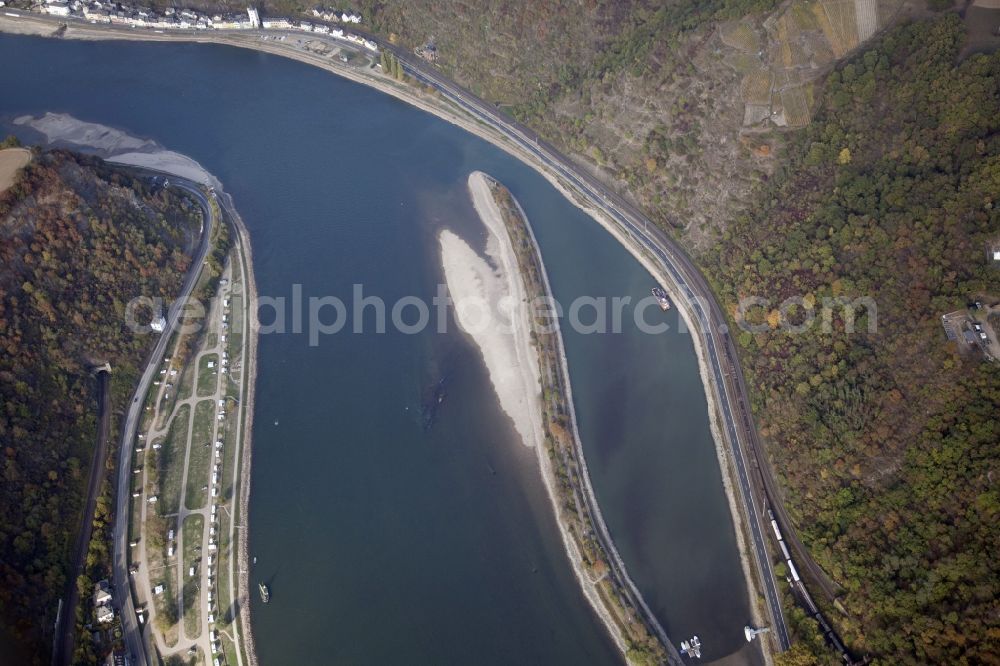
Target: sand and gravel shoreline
point(61, 130)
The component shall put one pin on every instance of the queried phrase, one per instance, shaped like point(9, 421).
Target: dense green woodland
point(78, 240)
point(888, 443)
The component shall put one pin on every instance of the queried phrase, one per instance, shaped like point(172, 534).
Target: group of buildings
point(103, 609)
point(321, 28)
point(114, 13)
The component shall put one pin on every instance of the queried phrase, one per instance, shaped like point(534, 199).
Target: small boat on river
point(661, 298)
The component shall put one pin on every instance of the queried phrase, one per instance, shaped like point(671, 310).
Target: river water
point(393, 512)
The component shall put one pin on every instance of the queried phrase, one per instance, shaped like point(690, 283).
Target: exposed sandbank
point(490, 307)
point(115, 146)
point(476, 286)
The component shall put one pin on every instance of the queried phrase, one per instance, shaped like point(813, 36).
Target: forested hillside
point(78, 240)
point(638, 91)
point(888, 441)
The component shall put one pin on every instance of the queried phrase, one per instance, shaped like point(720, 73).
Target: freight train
point(796, 582)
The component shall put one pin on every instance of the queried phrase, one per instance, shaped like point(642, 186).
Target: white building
point(254, 17)
point(105, 614)
point(102, 595)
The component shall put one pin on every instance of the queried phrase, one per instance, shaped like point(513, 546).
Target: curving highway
point(131, 629)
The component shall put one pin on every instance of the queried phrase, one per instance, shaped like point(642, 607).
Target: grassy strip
point(165, 603)
point(208, 378)
point(169, 463)
point(200, 458)
point(194, 530)
point(185, 380)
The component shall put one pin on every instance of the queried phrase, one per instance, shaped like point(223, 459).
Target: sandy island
point(490, 306)
point(494, 284)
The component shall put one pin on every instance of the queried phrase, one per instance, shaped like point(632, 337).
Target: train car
point(826, 627)
point(777, 532)
point(795, 573)
point(784, 550)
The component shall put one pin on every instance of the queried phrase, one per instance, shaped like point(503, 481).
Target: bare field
point(11, 160)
